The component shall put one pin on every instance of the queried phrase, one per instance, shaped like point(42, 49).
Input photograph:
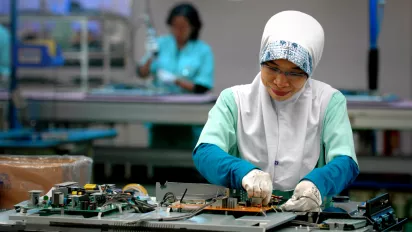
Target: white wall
point(234, 28)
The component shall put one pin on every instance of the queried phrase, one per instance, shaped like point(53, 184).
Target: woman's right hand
point(144, 70)
point(258, 184)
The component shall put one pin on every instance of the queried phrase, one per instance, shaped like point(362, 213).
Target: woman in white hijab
point(278, 132)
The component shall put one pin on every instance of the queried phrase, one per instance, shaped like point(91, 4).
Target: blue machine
point(12, 110)
point(375, 19)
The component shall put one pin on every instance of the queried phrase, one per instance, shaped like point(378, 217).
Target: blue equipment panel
point(121, 90)
point(37, 56)
point(367, 96)
point(15, 133)
point(57, 137)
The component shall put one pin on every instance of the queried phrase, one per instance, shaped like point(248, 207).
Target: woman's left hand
point(306, 198)
point(166, 77)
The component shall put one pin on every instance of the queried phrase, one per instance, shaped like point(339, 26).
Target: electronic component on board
point(34, 196)
point(55, 198)
point(231, 202)
point(256, 202)
point(75, 201)
point(90, 187)
point(84, 205)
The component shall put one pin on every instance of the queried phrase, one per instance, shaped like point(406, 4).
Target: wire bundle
point(139, 206)
point(181, 217)
point(168, 199)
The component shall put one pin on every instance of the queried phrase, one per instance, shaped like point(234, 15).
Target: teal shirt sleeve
point(341, 167)
point(220, 168)
point(205, 75)
point(215, 155)
point(220, 128)
point(335, 176)
point(337, 135)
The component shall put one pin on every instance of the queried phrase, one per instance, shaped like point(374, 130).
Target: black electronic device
point(380, 213)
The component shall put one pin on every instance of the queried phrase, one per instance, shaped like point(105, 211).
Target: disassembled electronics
point(181, 201)
point(89, 200)
point(380, 212)
point(185, 197)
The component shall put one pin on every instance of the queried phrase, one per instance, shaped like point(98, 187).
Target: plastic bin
point(21, 174)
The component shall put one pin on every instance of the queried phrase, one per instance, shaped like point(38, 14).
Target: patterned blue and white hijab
point(294, 36)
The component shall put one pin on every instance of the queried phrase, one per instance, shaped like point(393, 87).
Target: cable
point(143, 204)
point(187, 216)
point(168, 196)
point(181, 217)
point(139, 206)
point(181, 199)
point(320, 209)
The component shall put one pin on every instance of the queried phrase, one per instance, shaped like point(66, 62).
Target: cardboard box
point(21, 174)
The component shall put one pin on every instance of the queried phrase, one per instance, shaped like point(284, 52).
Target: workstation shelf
point(77, 107)
point(142, 109)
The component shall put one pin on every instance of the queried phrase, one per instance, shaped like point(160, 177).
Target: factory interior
point(105, 112)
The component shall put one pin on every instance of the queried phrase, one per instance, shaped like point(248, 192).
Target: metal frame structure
point(203, 222)
point(13, 85)
point(163, 219)
point(84, 54)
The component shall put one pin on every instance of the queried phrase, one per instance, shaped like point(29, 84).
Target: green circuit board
point(47, 210)
point(90, 200)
